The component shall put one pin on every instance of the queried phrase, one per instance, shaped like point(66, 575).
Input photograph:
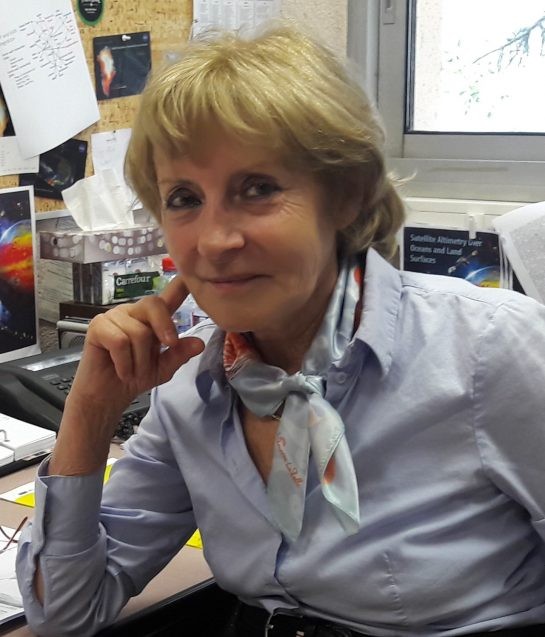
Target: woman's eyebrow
point(167, 181)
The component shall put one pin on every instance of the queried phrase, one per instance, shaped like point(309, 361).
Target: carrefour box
point(93, 246)
point(106, 282)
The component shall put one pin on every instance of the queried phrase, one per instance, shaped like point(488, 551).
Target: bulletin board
point(169, 24)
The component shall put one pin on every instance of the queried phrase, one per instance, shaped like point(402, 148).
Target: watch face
point(90, 11)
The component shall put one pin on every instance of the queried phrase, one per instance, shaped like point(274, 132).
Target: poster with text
point(18, 313)
point(453, 253)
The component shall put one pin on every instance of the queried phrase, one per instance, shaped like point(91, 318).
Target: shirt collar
point(381, 300)
point(210, 367)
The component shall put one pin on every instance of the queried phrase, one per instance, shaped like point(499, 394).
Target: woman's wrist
point(84, 438)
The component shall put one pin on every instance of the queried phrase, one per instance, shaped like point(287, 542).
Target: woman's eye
point(182, 200)
point(260, 189)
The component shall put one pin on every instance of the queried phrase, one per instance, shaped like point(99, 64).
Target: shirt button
point(342, 378)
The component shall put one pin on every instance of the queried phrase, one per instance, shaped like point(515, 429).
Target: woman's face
point(252, 238)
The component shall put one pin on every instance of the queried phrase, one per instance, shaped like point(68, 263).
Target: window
point(461, 94)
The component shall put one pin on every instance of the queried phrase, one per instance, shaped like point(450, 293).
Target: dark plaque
point(90, 11)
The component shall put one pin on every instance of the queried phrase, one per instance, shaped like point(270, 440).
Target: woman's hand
point(128, 350)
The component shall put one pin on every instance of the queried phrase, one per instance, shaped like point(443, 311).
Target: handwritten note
point(44, 74)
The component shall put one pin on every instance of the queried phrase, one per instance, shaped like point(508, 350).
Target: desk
point(186, 569)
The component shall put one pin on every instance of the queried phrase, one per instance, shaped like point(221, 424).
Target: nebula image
point(6, 125)
point(107, 69)
point(17, 292)
point(4, 117)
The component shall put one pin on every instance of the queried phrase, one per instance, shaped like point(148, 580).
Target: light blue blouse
point(442, 392)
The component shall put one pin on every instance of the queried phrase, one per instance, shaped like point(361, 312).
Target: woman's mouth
point(233, 283)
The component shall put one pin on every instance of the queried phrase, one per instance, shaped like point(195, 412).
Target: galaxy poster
point(122, 64)
point(453, 253)
point(18, 312)
point(59, 168)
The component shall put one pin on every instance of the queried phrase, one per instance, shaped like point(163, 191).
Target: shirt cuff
point(67, 512)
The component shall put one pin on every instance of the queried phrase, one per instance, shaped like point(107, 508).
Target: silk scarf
point(308, 425)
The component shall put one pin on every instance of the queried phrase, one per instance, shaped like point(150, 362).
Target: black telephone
point(34, 389)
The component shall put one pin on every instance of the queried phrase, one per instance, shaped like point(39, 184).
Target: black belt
point(250, 621)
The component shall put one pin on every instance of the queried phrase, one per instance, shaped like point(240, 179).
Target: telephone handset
point(34, 389)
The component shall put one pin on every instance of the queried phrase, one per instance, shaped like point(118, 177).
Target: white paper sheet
point(44, 74)
point(522, 233)
point(232, 14)
point(11, 602)
point(109, 149)
point(11, 160)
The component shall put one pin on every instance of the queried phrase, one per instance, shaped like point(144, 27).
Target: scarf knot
point(303, 384)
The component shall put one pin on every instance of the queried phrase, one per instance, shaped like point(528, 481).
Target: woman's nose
point(219, 231)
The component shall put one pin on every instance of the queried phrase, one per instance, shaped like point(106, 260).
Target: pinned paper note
point(44, 74)
point(232, 14)
point(11, 160)
point(109, 149)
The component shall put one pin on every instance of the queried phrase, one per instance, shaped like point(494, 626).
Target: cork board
point(169, 24)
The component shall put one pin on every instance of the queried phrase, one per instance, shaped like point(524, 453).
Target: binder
point(19, 440)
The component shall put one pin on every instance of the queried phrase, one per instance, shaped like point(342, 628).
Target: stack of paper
point(11, 603)
point(19, 439)
point(522, 233)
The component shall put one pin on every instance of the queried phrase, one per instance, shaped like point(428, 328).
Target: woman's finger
point(174, 357)
point(106, 335)
point(143, 344)
point(156, 311)
point(174, 294)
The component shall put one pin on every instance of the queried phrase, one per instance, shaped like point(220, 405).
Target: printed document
point(232, 14)
point(11, 161)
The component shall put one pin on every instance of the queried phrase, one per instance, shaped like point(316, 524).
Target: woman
point(358, 446)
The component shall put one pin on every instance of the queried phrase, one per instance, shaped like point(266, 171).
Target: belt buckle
point(278, 620)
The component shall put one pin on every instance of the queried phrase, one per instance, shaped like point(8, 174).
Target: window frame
point(508, 167)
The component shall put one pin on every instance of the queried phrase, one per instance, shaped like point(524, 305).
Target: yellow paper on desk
point(195, 540)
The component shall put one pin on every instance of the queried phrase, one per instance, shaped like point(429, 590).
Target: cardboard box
point(106, 282)
point(82, 246)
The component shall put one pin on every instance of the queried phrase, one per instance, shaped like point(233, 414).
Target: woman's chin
point(230, 323)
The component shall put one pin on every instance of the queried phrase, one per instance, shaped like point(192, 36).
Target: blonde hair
point(284, 92)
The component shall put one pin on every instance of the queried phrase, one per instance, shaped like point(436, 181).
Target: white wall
point(324, 19)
